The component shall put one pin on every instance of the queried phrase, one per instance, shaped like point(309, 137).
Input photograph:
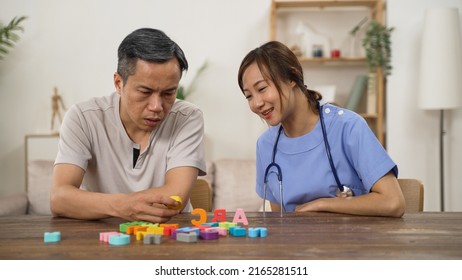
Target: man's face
point(148, 95)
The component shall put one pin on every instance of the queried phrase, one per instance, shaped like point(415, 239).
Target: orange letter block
point(202, 216)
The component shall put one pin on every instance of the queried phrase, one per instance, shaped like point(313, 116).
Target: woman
point(295, 150)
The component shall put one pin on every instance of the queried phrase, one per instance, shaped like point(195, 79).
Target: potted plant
point(8, 34)
point(376, 43)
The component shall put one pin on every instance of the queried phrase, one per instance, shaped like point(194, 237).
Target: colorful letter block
point(119, 240)
point(178, 199)
point(219, 215)
point(104, 236)
point(152, 239)
point(240, 217)
point(202, 216)
point(237, 231)
point(258, 232)
point(189, 237)
point(209, 234)
point(51, 237)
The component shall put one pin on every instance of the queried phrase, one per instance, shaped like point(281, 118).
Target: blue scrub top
point(358, 156)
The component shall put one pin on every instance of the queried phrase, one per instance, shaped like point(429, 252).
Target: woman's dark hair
point(150, 45)
point(278, 64)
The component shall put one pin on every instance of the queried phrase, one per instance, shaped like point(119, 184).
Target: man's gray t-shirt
point(92, 137)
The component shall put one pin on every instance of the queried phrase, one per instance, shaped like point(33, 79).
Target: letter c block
point(202, 216)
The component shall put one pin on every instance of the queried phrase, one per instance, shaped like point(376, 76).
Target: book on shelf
point(371, 106)
point(357, 91)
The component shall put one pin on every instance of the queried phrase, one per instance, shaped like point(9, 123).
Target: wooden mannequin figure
point(57, 105)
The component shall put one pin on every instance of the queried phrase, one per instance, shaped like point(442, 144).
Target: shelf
point(288, 11)
point(334, 61)
point(323, 3)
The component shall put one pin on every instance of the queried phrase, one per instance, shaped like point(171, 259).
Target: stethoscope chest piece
point(345, 193)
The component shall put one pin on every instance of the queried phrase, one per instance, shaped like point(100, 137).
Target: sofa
point(232, 182)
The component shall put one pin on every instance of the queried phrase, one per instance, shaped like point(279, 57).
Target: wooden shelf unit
point(376, 121)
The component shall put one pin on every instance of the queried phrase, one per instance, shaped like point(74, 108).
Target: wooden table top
point(294, 236)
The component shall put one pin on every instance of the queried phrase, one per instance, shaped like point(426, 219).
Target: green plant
point(8, 34)
point(377, 45)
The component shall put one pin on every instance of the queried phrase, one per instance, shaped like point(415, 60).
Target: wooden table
point(294, 236)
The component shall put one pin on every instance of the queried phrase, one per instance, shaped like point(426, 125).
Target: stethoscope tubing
point(342, 188)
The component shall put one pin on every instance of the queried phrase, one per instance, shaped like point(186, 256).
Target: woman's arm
point(384, 199)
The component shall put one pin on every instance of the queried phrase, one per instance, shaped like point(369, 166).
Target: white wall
point(73, 45)
point(412, 133)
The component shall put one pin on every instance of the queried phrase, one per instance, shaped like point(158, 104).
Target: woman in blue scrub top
point(271, 79)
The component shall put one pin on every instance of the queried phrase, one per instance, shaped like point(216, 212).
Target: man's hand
point(146, 206)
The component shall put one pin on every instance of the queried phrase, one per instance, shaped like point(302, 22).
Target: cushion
point(39, 186)
point(13, 205)
point(234, 185)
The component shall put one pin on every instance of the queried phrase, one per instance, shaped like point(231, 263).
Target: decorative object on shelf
point(353, 40)
point(335, 53)
point(8, 34)
point(317, 51)
point(310, 39)
point(296, 50)
point(378, 55)
point(440, 69)
point(357, 91)
point(183, 91)
point(57, 105)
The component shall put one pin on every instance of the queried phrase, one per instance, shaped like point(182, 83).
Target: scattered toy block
point(130, 229)
point(178, 199)
point(119, 240)
point(227, 225)
point(219, 215)
point(202, 216)
point(51, 237)
point(213, 224)
point(189, 237)
point(152, 239)
point(201, 227)
point(239, 217)
point(237, 231)
point(145, 224)
point(209, 234)
point(185, 230)
point(140, 234)
point(137, 229)
point(123, 227)
point(221, 231)
point(104, 236)
point(155, 230)
point(169, 228)
point(170, 225)
point(258, 232)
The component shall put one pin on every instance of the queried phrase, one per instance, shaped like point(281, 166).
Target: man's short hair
point(147, 44)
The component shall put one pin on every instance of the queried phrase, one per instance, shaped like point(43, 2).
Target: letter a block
point(240, 217)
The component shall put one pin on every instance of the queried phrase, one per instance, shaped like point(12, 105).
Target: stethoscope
point(342, 190)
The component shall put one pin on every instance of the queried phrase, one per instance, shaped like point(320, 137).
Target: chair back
point(413, 192)
point(201, 195)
